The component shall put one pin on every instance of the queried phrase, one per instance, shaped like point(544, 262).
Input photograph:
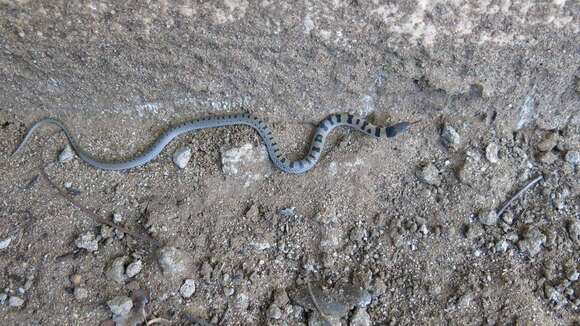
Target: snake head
point(400, 128)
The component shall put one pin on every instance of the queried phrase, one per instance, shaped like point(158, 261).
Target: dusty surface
point(407, 219)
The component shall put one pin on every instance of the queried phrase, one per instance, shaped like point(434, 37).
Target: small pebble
point(134, 268)
point(81, 294)
point(174, 261)
point(532, 241)
point(5, 243)
point(429, 174)
point(274, 312)
point(573, 157)
point(120, 305)
point(187, 289)
point(474, 231)
point(364, 299)
point(288, 211)
point(87, 241)
point(508, 218)
point(118, 218)
point(360, 318)
point(492, 152)
point(548, 143)
point(450, 137)
point(66, 154)
point(547, 157)
point(573, 276)
point(3, 298)
point(181, 157)
point(574, 231)
point(15, 301)
point(501, 246)
point(116, 271)
point(281, 297)
point(107, 232)
point(488, 217)
point(75, 279)
point(229, 292)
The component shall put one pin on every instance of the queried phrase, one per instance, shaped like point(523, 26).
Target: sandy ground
point(391, 231)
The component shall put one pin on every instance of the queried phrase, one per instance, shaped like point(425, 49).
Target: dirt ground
point(400, 231)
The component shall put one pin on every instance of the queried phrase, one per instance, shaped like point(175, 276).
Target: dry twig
point(519, 194)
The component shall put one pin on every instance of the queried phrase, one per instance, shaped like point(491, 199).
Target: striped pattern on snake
point(323, 129)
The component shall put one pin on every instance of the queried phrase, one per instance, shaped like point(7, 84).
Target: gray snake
point(280, 161)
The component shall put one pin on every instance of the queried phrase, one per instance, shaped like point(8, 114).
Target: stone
point(120, 305)
point(175, 261)
point(187, 289)
point(532, 241)
point(274, 312)
point(364, 299)
point(547, 157)
point(548, 143)
point(116, 270)
point(66, 154)
point(5, 243)
point(281, 297)
point(81, 293)
point(574, 230)
point(573, 157)
point(492, 153)
point(76, 279)
point(15, 301)
point(87, 241)
point(488, 217)
point(474, 231)
point(429, 174)
point(118, 218)
point(3, 298)
point(181, 157)
point(360, 318)
point(501, 246)
point(134, 268)
point(450, 137)
point(107, 232)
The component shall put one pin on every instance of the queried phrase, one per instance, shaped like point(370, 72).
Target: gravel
point(181, 157)
point(87, 241)
point(187, 289)
point(488, 217)
point(118, 218)
point(116, 270)
point(3, 298)
point(120, 305)
point(274, 312)
point(548, 143)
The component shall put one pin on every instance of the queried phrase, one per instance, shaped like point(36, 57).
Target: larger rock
point(175, 261)
point(120, 305)
point(247, 163)
point(532, 241)
point(450, 137)
point(87, 241)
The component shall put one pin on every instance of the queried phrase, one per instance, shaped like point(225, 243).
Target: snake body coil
point(300, 166)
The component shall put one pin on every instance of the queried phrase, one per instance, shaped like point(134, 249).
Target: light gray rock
point(181, 157)
point(120, 305)
point(134, 268)
point(573, 157)
point(175, 261)
point(450, 137)
point(274, 312)
point(360, 318)
point(81, 293)
point(548, 143)
point(116, 270)
point(187, 289)
point(492, 153)
point(66, 154)
point(574, 231)
point(118, 218)
point(429, 174)
point(501, 246)
point(488, 217)
point(3, 298)
point(532, 241)
point(87, 241)
point(15, 301)
point(5, 243)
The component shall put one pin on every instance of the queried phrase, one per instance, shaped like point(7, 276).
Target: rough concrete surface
point(391, 231)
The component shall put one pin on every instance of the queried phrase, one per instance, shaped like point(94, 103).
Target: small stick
point(519, 194)
point(98, 219)
point(158, 321)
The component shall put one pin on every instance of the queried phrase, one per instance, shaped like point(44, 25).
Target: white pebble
point(5, 243)
point(187, 289)
point(134, 268)
point(15, 301)
point(87, 241)
point(118, 218)
point(181, 157)
point(491, 153)
point(120, 305)
point(66, 155)
point(81, 294)
point(573, 157)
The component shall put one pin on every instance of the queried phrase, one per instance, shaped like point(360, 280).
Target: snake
point(303, 165)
